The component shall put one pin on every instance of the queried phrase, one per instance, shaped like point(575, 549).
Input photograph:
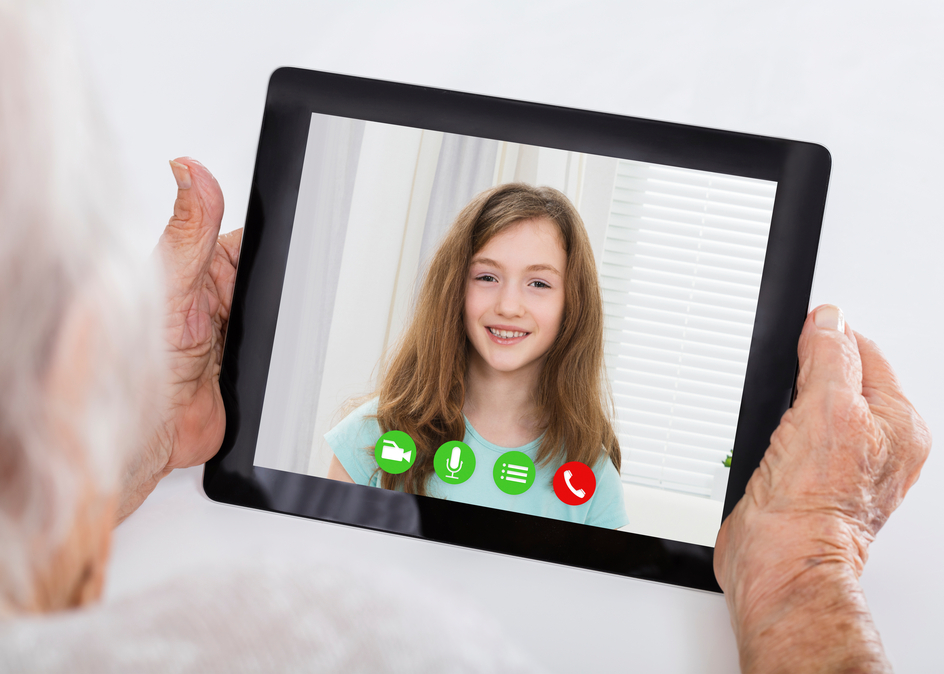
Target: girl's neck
point(501, 405)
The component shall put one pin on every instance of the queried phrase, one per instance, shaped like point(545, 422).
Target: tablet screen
point(421, 286)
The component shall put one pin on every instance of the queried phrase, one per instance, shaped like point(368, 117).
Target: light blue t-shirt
point(353, 442)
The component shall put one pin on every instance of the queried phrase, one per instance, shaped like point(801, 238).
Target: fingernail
point(830, 317)
point(181, 174)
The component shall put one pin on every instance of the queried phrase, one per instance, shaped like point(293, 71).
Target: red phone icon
point(574, 483)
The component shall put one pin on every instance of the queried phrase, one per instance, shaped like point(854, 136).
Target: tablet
point(532, 330)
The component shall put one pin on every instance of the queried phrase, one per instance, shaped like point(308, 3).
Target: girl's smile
point(515, 296)
point(505, 335)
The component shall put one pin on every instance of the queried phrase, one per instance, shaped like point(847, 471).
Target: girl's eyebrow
point(543, 267)
point(488, 262)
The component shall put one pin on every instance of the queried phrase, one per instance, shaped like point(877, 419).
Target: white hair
point(61, 246)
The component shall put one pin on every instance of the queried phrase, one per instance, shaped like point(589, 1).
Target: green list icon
point(454, 462)
point(395, 452)
point(514, 472)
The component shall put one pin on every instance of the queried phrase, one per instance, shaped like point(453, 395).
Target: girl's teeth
point(507, 334)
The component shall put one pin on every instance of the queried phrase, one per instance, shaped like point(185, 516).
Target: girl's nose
point(509, 302)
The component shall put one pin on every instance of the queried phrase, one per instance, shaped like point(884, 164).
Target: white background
point(862, 78)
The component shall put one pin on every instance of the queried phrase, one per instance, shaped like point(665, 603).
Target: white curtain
point(308, 294)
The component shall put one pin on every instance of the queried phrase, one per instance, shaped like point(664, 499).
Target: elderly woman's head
point(79, 346)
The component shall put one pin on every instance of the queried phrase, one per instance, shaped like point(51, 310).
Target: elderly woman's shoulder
point(265, 617)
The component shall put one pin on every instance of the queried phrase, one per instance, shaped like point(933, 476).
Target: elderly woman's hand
point(790, 554)
point(200, 269)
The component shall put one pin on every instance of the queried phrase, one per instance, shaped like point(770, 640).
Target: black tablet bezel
point(800, 169)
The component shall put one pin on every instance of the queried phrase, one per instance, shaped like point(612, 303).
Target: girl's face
point(514, 299)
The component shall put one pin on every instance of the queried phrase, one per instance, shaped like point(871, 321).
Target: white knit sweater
point(265, 619)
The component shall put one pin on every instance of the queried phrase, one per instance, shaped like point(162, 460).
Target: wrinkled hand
point(200, 270)
point(790, 554)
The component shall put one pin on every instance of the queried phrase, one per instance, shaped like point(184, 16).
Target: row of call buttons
point(513, 472)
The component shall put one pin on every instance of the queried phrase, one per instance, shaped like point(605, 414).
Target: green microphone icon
point(454, 462)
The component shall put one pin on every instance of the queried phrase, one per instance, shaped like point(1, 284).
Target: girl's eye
point(539, 284)
point(486, 277)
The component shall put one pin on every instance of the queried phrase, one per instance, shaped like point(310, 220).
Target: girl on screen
point(504, 352)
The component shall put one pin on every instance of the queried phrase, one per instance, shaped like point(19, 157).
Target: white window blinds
point(682, 264)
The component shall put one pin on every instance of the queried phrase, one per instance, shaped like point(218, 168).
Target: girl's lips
point(503, 340)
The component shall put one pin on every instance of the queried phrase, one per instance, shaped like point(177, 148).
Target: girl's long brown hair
point(422, 388)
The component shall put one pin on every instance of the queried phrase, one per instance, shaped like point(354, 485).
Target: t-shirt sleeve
point(353, 440)
point(607, 507)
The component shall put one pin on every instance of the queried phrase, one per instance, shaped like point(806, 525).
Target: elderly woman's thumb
point(829, 355)
point(190, 235)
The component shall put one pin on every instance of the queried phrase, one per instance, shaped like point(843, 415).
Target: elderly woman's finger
point(905, 433)
point(223, 271)
point(879, 382)
point(230, 242)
